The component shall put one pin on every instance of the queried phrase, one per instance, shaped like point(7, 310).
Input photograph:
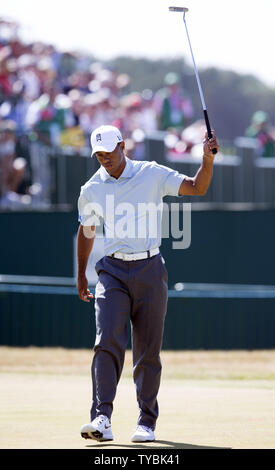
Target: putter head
point(178, 9)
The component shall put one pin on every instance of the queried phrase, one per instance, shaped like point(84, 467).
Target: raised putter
point(208, 127)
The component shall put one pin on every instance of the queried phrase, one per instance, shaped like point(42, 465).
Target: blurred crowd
point(58, 98)
point(62, 96)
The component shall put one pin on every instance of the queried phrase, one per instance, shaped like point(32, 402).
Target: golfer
point(132, 278)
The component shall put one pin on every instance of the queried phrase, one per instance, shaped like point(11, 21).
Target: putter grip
point(214, 151)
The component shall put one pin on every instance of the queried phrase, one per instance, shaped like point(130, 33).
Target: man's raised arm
point(199, 184)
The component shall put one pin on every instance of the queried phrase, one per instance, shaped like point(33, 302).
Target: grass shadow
point(158, 444)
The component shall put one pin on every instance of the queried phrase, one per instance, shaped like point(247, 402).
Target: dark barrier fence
point(240, 176)
point(228, 246)
point(220, 323)
point(212, 318)
point(44, 318)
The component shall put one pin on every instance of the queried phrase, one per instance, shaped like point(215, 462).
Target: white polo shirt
point(130, 206)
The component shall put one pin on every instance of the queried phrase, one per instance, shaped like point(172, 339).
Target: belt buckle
point(129, 257)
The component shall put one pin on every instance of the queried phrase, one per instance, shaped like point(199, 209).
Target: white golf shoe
point(99, 429)
point(143, 434)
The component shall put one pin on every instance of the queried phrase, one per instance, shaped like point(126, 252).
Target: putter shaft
point(208, 127)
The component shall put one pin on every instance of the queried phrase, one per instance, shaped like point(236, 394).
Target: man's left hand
point(209, 145)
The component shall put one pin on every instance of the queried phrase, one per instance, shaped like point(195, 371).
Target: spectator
point(6, 77)
point(148, 119)
point(14, 178)
point(28, 75)
point(46, 118)
point(261, 130)
point(7, 154)
point(173, 106)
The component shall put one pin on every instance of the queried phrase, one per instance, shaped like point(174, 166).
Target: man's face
point(112, 161)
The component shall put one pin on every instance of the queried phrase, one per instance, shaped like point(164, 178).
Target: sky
point(233, 35)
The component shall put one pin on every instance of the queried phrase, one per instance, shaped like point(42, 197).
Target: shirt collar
point(127, 172)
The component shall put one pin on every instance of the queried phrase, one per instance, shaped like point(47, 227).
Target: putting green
point(45, 398)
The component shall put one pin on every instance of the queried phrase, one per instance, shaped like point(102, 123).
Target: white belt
point(135, 256)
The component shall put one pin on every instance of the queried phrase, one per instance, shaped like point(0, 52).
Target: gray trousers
point(135, 290)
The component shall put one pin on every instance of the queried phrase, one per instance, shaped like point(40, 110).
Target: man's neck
point(116, 174)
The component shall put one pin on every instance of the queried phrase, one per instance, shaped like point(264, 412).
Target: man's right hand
point(82, 287)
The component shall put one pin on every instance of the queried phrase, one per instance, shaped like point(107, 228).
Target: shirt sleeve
point(169, 180)
point(86, 212)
